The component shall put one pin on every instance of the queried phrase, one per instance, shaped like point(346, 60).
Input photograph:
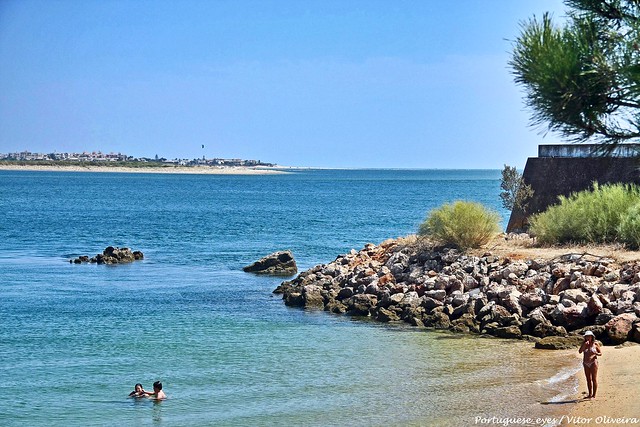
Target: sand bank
point(198, 170)
point(617, 402)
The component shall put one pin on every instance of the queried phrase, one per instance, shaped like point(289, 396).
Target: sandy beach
point(617, 402)
point(198, 170)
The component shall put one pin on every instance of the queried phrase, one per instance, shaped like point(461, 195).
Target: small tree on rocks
point(515, 193)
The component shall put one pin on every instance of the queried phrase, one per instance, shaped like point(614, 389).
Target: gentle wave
point(564, 374)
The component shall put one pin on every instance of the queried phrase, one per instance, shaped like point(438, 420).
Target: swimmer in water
point(138, 392)
point(157, 394)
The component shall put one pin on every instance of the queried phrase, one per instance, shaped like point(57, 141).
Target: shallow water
point(76, 338)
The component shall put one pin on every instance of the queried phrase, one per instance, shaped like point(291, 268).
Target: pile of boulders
point(440, 287)
point(111, 255)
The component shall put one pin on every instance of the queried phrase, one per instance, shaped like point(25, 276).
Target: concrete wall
point(551, 177)
point(586, 150)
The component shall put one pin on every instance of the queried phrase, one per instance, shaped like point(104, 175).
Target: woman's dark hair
point(157, 385)
point(138, 385)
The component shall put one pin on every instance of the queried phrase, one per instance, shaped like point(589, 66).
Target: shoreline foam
point(196, 170)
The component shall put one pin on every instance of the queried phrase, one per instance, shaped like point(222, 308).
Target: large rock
point(439, 295)
point(534, 298)
point(277, 264)
point(385, 315)
point(410, 299)
point(539, 326)
point(312, 295)
point(360, 304)
point(345, 293)
point(559, 343)
point(594, 306)
point(619, 289)
point(575, 295)
point(492, 312)
point(430, 303)
point(620, 327)
point(572, 317)
point(547, 330)
point(511, 303)
point(293, 299)
point(437, 320)
point(518, 268)
point(508, 332)
point(588, 283)
point(635, 333)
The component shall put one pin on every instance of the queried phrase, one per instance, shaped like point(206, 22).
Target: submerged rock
point(279, 263)
point(559, 343)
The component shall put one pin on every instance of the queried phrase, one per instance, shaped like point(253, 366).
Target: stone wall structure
point(560, 170)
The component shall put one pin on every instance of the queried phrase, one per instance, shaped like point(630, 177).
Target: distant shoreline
point(195, 170)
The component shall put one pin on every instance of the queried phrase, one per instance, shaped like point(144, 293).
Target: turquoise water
point(76, 338)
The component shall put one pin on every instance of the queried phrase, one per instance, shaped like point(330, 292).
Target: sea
point(75, 339)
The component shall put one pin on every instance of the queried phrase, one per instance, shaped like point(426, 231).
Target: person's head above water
point(157, 385)
point(138, 387)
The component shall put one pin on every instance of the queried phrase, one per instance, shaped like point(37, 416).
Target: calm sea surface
point(74, 339)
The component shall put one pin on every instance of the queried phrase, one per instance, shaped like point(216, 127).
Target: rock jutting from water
point(443, 288)
point(111, 255)
point(279, 263)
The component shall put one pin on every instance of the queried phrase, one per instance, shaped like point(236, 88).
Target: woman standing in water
point(591, 351)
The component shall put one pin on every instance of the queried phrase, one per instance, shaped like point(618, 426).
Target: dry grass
point(526, 248)
point(523, 247)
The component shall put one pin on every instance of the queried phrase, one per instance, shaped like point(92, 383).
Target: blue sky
point(366, 84)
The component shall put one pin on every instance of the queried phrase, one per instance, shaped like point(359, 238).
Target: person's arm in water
point(155, 394)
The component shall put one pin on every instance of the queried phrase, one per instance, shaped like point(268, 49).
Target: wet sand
point(617, 400)
point(618, 393)
point(198, 170)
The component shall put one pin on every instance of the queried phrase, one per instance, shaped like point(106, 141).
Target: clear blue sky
point(380, 84)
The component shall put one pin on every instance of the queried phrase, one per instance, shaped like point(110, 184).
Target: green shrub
point(591, 216)
point(462, 224)
point(629, 229)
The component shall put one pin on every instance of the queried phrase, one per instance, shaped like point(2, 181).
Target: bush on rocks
point(461, 224)
point(608, 213)
point(629, 228)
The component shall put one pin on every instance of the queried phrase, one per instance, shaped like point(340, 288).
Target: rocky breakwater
point(111, 255)
point(548, 300)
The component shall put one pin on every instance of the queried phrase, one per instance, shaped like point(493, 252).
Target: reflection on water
point(156, 414)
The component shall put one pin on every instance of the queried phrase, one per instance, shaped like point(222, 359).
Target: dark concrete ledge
point(551, 177)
